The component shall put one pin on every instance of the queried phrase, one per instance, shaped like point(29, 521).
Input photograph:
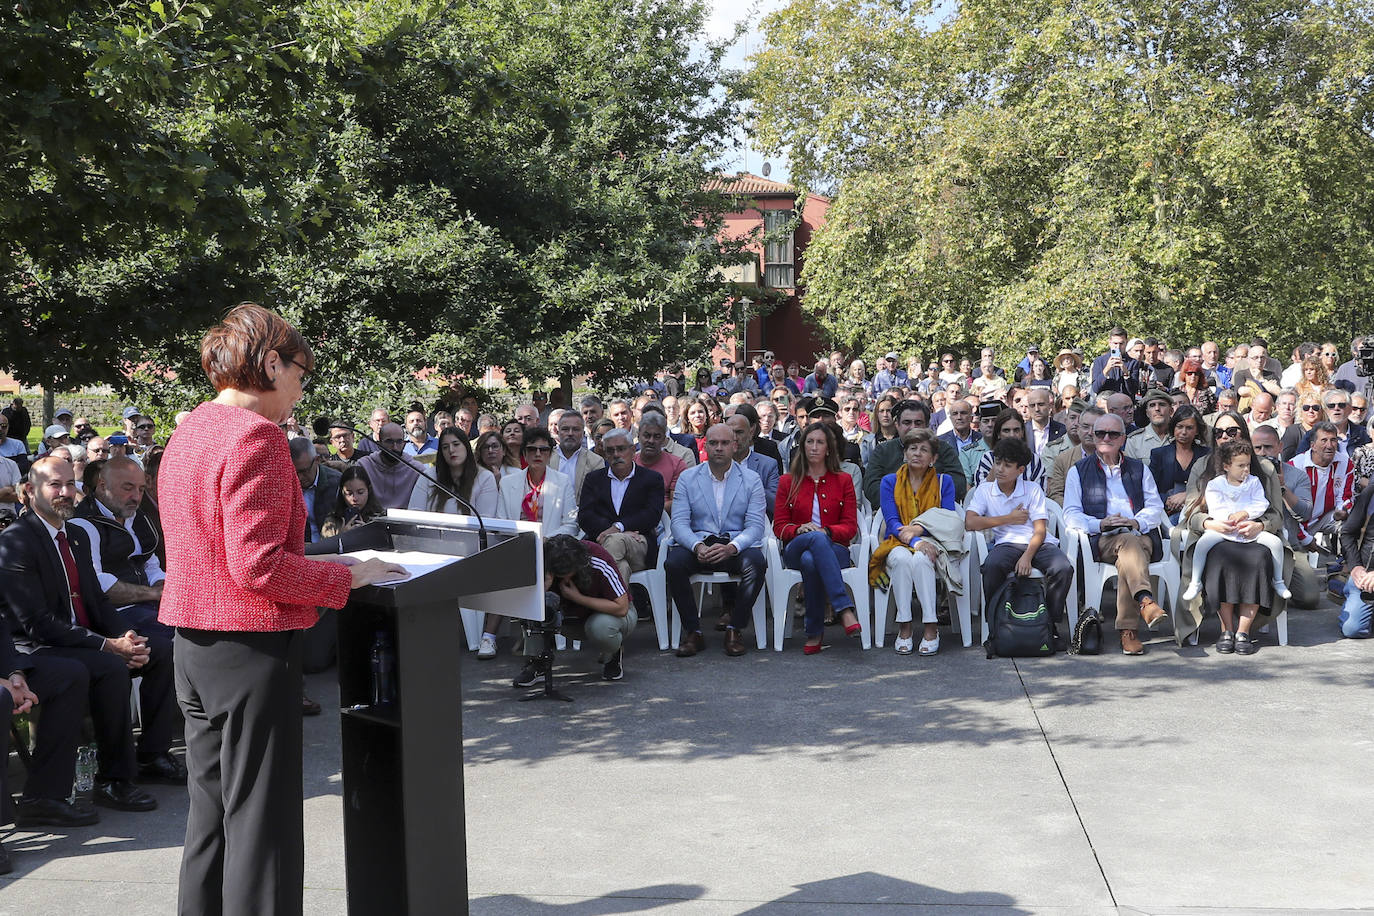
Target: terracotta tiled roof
point(744, 183)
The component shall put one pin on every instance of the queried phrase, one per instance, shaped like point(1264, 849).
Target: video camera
point(1364, 356)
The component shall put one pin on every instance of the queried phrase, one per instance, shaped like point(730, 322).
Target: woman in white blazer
point(537, 493)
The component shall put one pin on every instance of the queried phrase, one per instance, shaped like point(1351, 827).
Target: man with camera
point(587, 600)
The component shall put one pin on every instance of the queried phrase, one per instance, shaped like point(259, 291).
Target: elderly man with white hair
point(621, 505)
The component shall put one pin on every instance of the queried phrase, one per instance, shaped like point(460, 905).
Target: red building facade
point(769, 207)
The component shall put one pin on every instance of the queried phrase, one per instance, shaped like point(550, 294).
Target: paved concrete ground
point(1183, 781)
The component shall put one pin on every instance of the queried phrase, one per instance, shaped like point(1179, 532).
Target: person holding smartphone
point(1115, 370)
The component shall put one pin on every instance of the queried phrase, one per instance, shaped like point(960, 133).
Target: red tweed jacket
point(234, 520)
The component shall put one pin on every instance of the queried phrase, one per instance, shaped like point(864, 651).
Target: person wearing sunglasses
point(1309, 412)
point(1352, 436)
point(1113, 498)
point(1237, 581)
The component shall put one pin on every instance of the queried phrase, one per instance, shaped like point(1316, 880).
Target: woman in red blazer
point(815, 518)
point(239, 590)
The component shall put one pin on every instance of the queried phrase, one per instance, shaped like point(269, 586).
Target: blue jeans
point(1356, 616)
point(820, 560)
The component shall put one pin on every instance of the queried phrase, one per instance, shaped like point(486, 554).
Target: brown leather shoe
point(690, 645)
point(724, 620)
point(734, 642)
point(1151, 612)
point(1131, 644)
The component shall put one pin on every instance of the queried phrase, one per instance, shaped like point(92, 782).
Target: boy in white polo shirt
point(1013, 513)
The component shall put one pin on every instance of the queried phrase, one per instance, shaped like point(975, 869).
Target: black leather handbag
point(1087, 634)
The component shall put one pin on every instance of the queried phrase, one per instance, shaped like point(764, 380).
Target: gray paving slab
point(858, 782)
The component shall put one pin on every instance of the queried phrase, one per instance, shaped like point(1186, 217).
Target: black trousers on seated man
point(60, 685)
point(1049, 560)
point(109, 680)
point(682, 563)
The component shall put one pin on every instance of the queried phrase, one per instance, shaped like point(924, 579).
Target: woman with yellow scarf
point(906, 555)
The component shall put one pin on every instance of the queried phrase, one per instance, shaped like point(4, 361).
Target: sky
point(721, 24)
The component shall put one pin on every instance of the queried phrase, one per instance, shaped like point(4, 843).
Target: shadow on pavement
point(633, 900)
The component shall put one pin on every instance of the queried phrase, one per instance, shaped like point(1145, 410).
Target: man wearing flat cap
point(1159, 410)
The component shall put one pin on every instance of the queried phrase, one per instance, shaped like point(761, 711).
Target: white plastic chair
point(1096, 574)
point(656, 584)
point(702, 580)
point(884, 606)
point(782, 580)
point(1069, 544)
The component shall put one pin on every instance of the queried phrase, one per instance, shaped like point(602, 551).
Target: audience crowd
point(1238, 465)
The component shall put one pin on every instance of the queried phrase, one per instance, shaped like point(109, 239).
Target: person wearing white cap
point(889, 374)
point(55, 435)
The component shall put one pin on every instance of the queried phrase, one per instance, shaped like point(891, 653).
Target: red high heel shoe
point(853, 629)
point(808, 649)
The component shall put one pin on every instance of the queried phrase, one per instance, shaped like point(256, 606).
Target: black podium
point(404, 827)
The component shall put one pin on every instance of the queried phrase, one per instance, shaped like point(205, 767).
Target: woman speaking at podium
point(239, 591)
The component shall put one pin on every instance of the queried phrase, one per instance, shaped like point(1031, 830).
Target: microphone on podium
point(419, 469)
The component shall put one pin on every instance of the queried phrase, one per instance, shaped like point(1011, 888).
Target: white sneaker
point(903, 646)
point(1194, 589)
point(1281, 589)
point(487, 649)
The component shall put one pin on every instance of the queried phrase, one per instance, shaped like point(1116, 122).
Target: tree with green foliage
point(1020, 173)
point(418, 185)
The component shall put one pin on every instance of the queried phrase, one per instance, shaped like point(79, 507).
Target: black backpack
point(1019, 624)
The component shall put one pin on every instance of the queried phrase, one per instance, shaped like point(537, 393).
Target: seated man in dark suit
point(622, 506)
point(58, 685)
point(57, 609)
point(319, 486)
point(124, 541)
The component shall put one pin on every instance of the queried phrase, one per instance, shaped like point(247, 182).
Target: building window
point(777, 249)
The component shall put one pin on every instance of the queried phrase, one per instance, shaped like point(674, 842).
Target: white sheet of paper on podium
point(416, 562)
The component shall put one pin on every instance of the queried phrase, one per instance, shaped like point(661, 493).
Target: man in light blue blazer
point(718, 523)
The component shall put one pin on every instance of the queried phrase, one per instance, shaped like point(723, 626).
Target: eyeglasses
point(1311, 408)
point(1329, 353)
point(138, 426)
point(1337, 405)
point(1108, 434)
point(539, 449)
point(1226, 432)
point(946, 360)
point(305, 373)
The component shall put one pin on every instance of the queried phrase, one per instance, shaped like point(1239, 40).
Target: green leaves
point(1041, 172)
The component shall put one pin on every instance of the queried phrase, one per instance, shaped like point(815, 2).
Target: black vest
point(117, 556)
point(1092, 481)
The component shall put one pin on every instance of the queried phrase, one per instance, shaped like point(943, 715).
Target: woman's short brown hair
point(920, 436)
point(232, 351)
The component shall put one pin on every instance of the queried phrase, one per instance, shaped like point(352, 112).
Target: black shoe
point(1245, 645)
point(613, 670)
point(529, 675)
point(162, 768)
point(5, 865)
point(123, 796)
point(55, 812)
point(1226, 643)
